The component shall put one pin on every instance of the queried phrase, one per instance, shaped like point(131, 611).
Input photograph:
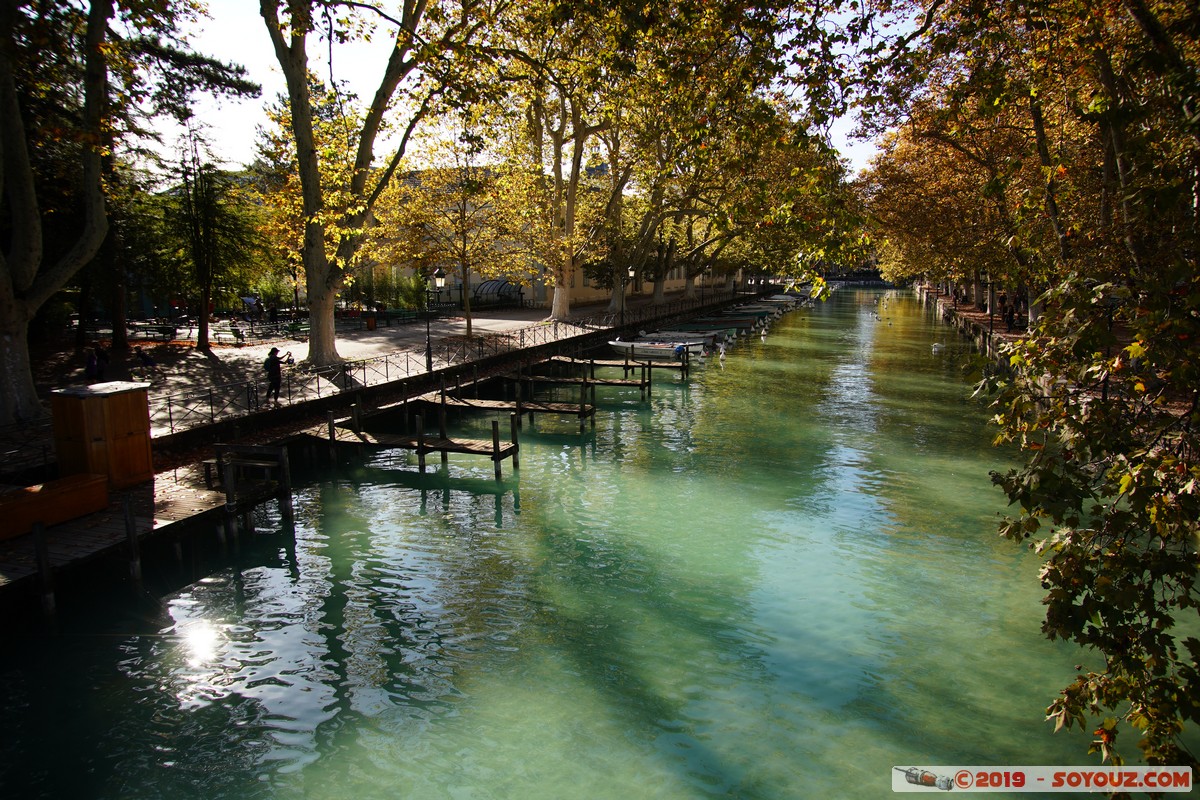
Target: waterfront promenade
point(389, 359)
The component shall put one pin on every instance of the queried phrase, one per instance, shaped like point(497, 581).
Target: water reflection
point(776, 581)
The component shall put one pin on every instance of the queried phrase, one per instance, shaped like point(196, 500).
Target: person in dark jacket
point(274, 367)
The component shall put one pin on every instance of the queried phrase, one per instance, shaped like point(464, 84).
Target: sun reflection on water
point(201, 640)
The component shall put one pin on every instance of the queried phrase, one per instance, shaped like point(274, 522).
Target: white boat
point(670, 350)
point(708, 338)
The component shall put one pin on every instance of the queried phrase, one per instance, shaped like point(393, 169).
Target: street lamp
point(439, 280)
point(624, 296)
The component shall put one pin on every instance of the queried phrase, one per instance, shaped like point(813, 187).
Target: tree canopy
point(1053, 146)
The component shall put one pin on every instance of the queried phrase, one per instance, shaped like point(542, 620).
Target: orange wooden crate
point(51, 503)
point(104, 428)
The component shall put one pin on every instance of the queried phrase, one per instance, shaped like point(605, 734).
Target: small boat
point(659, 349)
point(708, 338)
point(722, 329)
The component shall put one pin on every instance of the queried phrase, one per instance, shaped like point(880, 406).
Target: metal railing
point(177, 412)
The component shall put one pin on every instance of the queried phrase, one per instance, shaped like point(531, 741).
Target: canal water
point(779, 579)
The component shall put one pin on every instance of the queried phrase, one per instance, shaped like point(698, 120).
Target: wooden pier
point(583, 410)
point(344, 434)
point(168, 504)
point(589, 380)
point(629, 365)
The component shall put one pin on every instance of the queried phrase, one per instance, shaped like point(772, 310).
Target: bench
point(52, 502)
point(157, 330)
point(229, 336)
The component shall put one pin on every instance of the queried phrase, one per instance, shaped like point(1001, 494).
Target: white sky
point(236, 33)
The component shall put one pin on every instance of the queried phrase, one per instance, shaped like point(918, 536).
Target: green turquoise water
point(777, 580)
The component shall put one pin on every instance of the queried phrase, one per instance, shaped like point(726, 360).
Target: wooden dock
point(167, 504)
point(132, 515)
point(344, 434)
point(518, 406)
point(630, 364)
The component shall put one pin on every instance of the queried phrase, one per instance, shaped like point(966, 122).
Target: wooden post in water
point(648, 371)
point(356, 415)
point(135, 556)
point(513, 424)
point(518, 401)
point(332, 437)
point(421, 442)
point(496, 446)
point(285, 485)
point(582, 403)
point(45, 569)
point(229, 480)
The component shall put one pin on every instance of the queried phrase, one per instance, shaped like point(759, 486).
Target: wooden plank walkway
point(578, 381)
point(618, 363)
point(513, 406)
point(343, 434)
point(430, 444)
point(170, 498)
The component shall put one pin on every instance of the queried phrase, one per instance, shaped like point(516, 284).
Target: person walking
point(274, 367)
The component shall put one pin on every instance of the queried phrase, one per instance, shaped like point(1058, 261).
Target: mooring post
point(421, 442)
point(475, 378)
point(518, 400)
point(45, 569)
point(285, 470)
point(649, 372)
point(355, 415)
point(496, 446)
point(442, 417)
point(513, 424)
point(135, 556)
point(582, 405)
point(229, 479)
point(332, 437)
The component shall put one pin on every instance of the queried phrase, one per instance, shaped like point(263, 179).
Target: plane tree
point(1101, 396)
point(76, 84)
point(425, 64)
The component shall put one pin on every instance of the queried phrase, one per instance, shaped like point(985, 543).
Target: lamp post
point(439, 278)
point(624, 296)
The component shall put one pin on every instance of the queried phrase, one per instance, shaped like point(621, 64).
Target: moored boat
point(658, 349)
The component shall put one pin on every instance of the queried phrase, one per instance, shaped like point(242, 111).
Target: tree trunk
point(202, 319)
point(25, 281)
point(18, 400)
point(322, 336)
point(560, 306)
point(619, 300)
